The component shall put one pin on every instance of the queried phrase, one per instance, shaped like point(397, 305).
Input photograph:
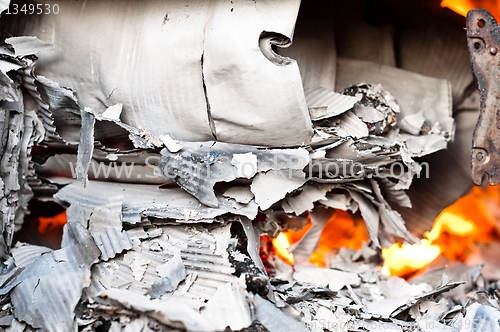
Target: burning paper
point(215, 143)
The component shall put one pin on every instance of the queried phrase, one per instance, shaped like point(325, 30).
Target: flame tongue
point(402, 260)
point(341, 230)
point(48, 224)
point(281, 244)
point(454, 235)
point(446, 238)
point(463, 6)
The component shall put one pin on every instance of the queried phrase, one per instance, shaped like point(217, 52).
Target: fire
point(404, 259)
point(341, 230)
point(463, 6)
point(281, 244)
point(400, 259)
point(454, 235)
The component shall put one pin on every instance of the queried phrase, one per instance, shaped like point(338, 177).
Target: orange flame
point(463, 6)
point(48, 224)
point(454, 235)
point(341, 230)
point(403, 259)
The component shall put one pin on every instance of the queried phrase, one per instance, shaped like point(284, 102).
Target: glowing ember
point(49, 224)
point(463, 6)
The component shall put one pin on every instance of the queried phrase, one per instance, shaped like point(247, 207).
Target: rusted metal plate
point(483, 39)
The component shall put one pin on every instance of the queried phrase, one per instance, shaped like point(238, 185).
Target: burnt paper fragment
point(19, 133)
point(324, 103)
point(150, 201)
point(169, 312)
point(28, 45)
point(481, 318)
point(274, 320)
point(85, 147)
point(376, 107)
point(66, 270)
point(197, 167)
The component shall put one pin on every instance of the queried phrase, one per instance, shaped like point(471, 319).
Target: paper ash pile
point(169, 182)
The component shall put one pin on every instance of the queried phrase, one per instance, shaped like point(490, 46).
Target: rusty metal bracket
point(483, 39)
